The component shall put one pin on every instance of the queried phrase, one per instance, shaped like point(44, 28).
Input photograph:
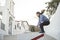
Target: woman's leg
point(46, 23)
point(41, 27)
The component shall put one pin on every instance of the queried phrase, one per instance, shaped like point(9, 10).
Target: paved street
point(28, 36)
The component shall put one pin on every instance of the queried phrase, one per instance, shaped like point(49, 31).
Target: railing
point(23, 24)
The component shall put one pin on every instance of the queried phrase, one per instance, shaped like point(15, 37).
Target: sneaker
point(41, 32)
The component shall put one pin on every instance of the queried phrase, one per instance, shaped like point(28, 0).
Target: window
point(15, 26)
point(0, 13)
point(18, 25)
point(2, 26)
point(0, 23)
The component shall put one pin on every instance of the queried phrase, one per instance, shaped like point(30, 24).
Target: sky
point(2, 2)
point(26, 10)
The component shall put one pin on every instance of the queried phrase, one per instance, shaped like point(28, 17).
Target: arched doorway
point(10, 25)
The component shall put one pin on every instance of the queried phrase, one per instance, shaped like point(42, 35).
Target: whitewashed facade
point(8, 25)
point(6, 16)
point(21, 27)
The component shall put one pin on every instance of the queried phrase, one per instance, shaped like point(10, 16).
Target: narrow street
point(18, 20)
point(29, 36)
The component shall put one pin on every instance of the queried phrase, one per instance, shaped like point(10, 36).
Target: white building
point(8, 25)
point(6, 16)
point(21, 27)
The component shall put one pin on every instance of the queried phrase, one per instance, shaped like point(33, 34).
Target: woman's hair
point(37, 12)
point(42, 11)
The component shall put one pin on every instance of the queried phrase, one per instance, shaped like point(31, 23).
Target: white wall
point(4, 18)
point(17, 30)
point(6, 15)
point(23, 27)
point(54, 28)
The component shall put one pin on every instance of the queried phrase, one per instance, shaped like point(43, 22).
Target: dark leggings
point(44, 24)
